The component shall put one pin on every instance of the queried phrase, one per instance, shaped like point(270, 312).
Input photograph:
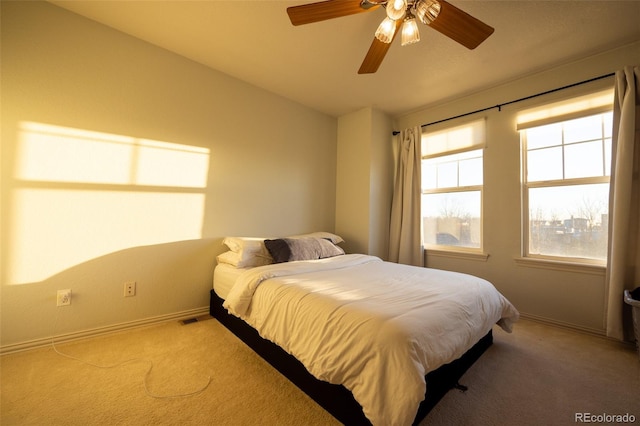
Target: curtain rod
point(499, 106)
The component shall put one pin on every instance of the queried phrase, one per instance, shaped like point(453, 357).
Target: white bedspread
point(375, 327)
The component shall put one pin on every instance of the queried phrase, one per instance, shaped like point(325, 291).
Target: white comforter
point(375, 327)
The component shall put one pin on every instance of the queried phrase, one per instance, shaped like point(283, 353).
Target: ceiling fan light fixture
point(410, 33)
point(451, 22)
point(386, 30)
point(427, 10)
point(396, 9)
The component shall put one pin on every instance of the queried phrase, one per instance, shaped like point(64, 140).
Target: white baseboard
point(565, 325)
point(100, 331)
point(178, 316)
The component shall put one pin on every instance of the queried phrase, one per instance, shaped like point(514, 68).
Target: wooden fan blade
point(460, 26)
point(377, 52)
point(329, 9)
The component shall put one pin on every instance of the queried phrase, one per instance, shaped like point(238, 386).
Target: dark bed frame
point(337, 399)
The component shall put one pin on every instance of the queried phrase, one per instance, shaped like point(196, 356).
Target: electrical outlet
point(129, 288)
point(64, 298)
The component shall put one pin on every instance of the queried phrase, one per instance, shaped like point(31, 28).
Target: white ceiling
point(316, 64)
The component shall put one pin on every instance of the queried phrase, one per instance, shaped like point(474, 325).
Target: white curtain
point(623, 268)
point(404, 234)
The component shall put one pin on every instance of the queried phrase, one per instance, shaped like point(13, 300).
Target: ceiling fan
point(438, 14)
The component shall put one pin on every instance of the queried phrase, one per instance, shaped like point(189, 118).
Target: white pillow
point(245, 252)
point(243, 260)
point(239, 244)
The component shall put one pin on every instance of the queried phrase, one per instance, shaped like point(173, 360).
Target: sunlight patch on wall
point(61, 154)
point(80, 195)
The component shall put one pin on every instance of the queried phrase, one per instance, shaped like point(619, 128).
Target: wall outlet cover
point(63, 298)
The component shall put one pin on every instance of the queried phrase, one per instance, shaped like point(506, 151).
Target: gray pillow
point(290, 249)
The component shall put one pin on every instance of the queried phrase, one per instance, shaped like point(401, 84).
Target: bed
point(373, 342)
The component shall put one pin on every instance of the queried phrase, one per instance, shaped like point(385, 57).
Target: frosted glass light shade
point(410, 33)
point(386, 30)
point(427, 11)
point(396, 9)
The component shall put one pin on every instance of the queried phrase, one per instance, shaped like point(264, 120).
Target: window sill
point(583, 268)
point(479, 257)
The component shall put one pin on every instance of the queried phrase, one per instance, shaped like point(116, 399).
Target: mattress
point(224, 277)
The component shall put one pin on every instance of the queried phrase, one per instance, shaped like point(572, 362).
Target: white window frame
point(448, 144)
point(558, 112)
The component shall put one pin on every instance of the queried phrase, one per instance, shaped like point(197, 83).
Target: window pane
point(569, 221)
point(452, 171)
point(452, 219)
point(447, 175)
point(608, 124)
point(429, 175)
point(471, 172)
point(544, 136)
point(607, 157)
point(583, 129)
point(544, 164)
point(584, 160)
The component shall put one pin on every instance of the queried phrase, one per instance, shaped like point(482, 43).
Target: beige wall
point(570, 296)
point(231, 160)
point(364, 181)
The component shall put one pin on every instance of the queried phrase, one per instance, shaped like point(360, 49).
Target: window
point(452, 177)
point(566, 169)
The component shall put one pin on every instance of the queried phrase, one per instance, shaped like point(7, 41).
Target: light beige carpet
point(537, 375)
point(543, 375)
